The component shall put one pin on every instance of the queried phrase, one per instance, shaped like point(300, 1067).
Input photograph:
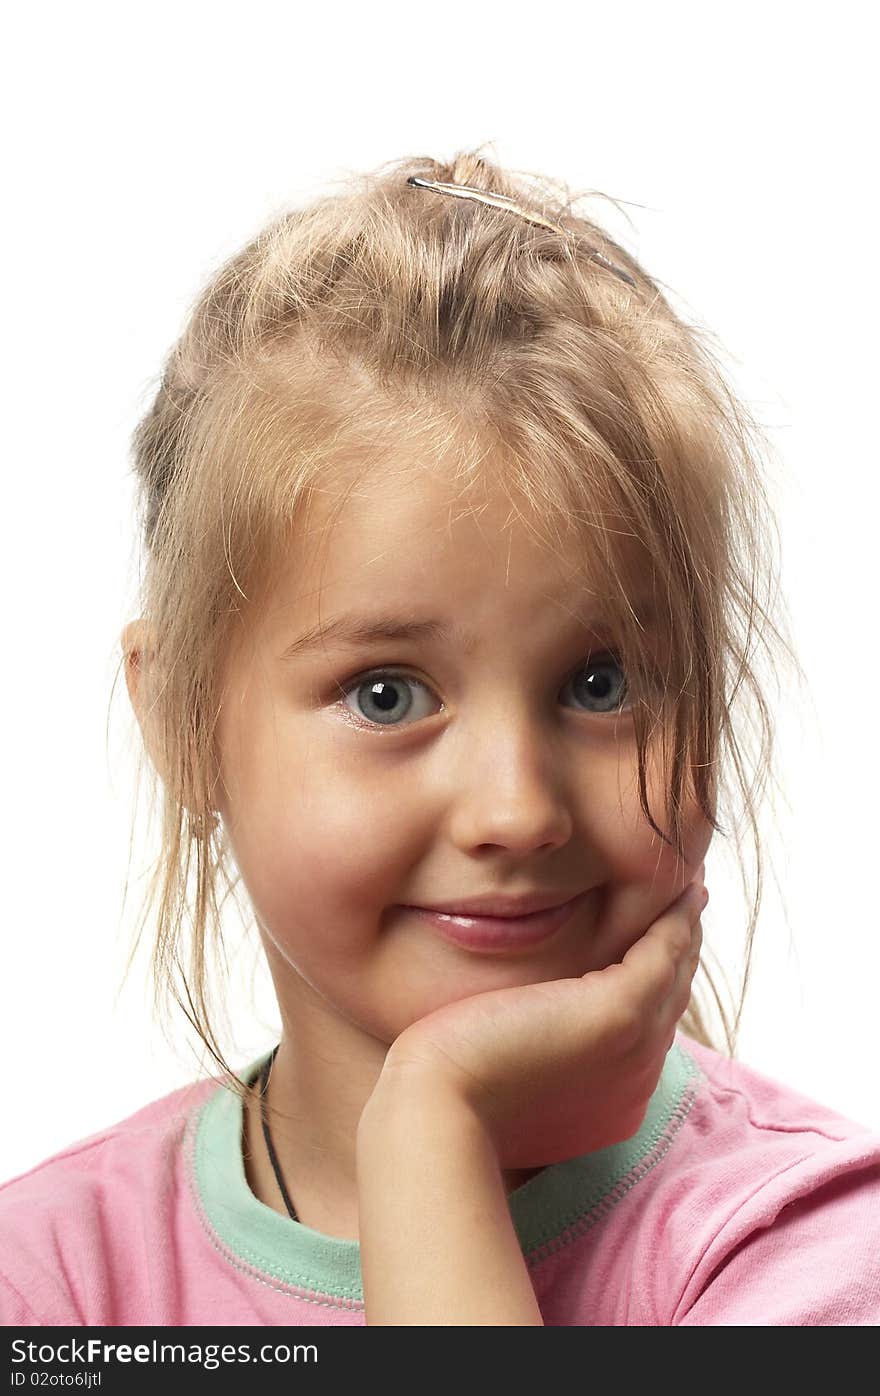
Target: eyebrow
point(356, 630)
point(350, 631)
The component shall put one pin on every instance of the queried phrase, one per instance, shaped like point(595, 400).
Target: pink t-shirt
point(738, 1201)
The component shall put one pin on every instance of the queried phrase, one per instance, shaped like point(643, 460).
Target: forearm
point(437, 1242)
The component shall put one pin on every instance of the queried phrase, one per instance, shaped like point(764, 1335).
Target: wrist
point(413, 1097)
point(437, 1241)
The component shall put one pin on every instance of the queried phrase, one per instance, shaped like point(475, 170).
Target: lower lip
point(489, 933)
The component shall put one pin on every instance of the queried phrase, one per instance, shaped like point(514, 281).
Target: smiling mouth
point(495, 933)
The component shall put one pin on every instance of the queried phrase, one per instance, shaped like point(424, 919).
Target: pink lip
point(493, 933)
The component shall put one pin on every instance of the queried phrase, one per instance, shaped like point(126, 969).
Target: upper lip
point(494, 905)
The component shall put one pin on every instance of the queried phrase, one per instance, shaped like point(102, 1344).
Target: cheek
point(640, 850)
point(643, 875)
point(356, 828)
point(314, 834)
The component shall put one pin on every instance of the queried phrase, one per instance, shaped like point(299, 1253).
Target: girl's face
point(362, 778)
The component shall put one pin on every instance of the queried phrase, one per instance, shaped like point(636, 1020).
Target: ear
point(138, 650)
point(141, 677)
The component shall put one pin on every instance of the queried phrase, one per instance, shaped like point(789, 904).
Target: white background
point(143, 146)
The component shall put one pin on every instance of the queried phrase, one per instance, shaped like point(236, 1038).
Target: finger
point(631, 900)
point(653, 961)
point(675, 1006)
point(676, 1001)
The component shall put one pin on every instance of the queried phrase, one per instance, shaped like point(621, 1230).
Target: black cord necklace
point(273, 1159)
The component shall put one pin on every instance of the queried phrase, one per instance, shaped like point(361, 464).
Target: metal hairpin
point(503, 201)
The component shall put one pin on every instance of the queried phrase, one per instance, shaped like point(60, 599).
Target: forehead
point(403, 538)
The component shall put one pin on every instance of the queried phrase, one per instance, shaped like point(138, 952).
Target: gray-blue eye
point(603, 690)
point(385, 696)
point(382, 697)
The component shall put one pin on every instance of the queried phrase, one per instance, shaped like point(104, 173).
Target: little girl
point(439, 441)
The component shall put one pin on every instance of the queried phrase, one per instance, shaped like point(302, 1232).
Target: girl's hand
point(561, 1068)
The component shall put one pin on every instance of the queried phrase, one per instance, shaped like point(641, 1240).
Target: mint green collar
point(547, 1210)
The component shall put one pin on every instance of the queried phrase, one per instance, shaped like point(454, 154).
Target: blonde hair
point(386, 311)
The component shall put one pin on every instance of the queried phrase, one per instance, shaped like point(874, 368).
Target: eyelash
point(358, 680)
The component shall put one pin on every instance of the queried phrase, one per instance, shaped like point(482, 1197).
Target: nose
point(515, 799)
